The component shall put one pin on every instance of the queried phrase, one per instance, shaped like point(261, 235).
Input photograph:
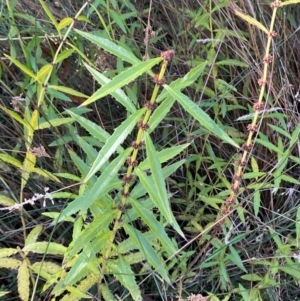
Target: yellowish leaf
point(7, 202)
point(254, 165)
point(43, 73)
point(24, 68)
point(33, 235)
point(47, 266)
point(28, 168)
point(289, 2)
point(251, 20)
point(64, 23)
point(23, 281)
point(40, 93)
point(33, 123)
point(49, 14)
point(6, 252)
point(11, 160)
point(10, 263)
point(15, 116)
point(46, 174)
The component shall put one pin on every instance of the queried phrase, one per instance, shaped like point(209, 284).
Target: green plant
point(121, 218)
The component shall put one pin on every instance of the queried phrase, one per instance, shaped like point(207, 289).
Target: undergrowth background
point(256, 255)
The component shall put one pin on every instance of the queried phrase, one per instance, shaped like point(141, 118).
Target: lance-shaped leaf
point(148, 218)
point(158, 192)
point(33, 235)
point(24, 68)
point(95, 130)
point(110, 47)
point(28, 168)
point(251, 20)
point(119, 94)
point(122, 271)
point(114, 142)
point(44, 247)
point(288, 2)
point(49, 14)
point(123, 79)
point(200, 115)
point(23, 281)
point(143, 245)
point(102, 186)
point(67, 90)
point(16, 116)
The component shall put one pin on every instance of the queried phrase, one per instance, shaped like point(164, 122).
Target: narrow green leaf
point(279, 130)
point(118, 94)
point(165, 155)
point(168, 170)
point(46, 248)
point(6, 201)
point(129, 245)
point(40, 93)
point(161, 196)
point(81, 165)
point(11, 160)
point(53, 123)
point(253, 175)
point(85, 259)
point(122, 79)
point(24, 68)
point(122, 271)
point(64, 55)
point(79, 52)
point(150, 254)
point(49, 14)
point(251, 277)
point(68, 176)
point(200, 115)
point(94, 129)
point(181, 83)
point(159, 114)
point(244, 292)
point(102, 186)
point(148, 217)
point(266, 143)
point(99, 224)
point(84, 19)
point(298, 225)
point(295, 136)
point(256, 202)
point(110, 47)
point(292, 270)
point(68, 91)
point(43, 73)
point(15, 116)
point(46, 174)
point(232, 62)
point(27, 168)
point(114, 141)
point(236, 258)
point(290, 179)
